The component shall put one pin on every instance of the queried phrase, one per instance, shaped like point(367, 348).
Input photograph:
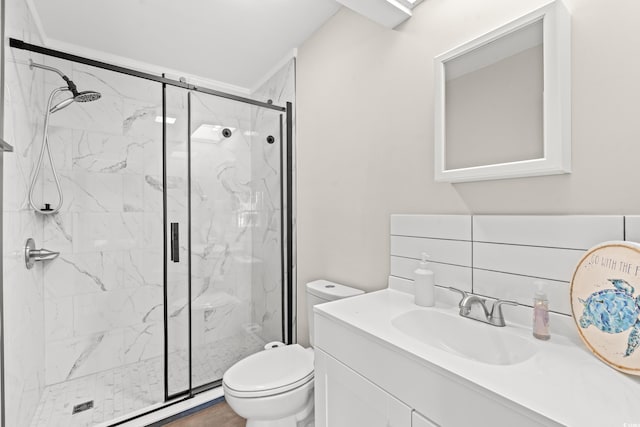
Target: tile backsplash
point(501, 256)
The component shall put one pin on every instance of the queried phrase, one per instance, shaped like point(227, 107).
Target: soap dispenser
point(424, 284)
point(540, 313)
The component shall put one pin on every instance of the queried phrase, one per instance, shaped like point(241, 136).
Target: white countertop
point(563, 381)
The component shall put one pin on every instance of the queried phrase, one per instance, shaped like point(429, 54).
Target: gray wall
point(365, 131)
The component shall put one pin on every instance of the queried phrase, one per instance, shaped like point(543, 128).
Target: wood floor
point(218, 415)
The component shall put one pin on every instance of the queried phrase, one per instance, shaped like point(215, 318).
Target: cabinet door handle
point(175, 242)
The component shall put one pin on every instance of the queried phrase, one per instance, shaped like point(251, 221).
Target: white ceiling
point(237, 42)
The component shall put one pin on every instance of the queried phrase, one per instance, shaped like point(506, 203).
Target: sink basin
point(465, 337)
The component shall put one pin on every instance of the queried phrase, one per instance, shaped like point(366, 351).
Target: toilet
point(274, 387)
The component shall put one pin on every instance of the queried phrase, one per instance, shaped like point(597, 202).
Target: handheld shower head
point(60, 105)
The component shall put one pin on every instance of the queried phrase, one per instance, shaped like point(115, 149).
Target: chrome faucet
point(493, 317)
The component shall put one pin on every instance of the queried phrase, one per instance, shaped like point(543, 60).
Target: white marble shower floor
point(129, 388)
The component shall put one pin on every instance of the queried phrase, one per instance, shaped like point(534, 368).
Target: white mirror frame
point(556, 101)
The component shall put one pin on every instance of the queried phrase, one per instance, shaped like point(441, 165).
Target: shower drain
point(82, 407)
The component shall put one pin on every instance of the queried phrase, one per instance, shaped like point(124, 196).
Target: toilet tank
point(321, 291)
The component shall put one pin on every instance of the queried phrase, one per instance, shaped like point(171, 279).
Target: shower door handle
point(175, 242)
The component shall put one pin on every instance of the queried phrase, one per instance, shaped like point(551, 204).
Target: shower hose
point(45, 147)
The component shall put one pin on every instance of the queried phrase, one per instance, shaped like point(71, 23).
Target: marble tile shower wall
point(103, 298)
point(267, 280)
point(23, 289)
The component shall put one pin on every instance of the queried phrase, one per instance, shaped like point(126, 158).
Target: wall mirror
point(502, 101)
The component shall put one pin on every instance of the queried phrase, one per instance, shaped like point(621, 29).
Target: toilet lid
point(270, 372)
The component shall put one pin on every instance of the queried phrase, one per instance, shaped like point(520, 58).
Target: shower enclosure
point(174, 238)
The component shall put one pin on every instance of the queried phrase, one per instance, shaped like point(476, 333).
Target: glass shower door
point(224, 267)
point(236, 251)
point(178, 308)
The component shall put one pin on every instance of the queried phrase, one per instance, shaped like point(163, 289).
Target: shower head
point(86, 96)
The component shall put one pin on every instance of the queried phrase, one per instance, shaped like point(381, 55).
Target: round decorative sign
point(605, 302)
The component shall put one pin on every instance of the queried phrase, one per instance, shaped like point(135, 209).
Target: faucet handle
point(461, 292)
point(496, 317)
point(500, 302)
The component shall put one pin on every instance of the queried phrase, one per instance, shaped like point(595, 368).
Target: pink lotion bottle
point(540, 313)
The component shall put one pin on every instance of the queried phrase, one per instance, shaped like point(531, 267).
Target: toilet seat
point(270, 372)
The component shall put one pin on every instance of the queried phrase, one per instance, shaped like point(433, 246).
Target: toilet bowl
point(274, 387)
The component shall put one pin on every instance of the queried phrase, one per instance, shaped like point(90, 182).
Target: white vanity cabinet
point(372, 370)
point(362, 381)
point(347, 399)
